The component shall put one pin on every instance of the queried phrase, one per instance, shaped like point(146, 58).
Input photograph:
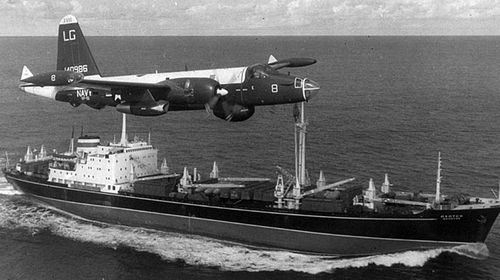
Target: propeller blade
point(228, 110)
point(208, 109)
point(213, 101)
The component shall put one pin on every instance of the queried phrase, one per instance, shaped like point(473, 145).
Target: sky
point(253, 18)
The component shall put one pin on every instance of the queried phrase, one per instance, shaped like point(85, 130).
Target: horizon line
point(267, 35)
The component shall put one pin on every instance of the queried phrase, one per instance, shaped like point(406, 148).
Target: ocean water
point(387, 105)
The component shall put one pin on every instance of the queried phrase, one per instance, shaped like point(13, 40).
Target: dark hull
point(308, 232)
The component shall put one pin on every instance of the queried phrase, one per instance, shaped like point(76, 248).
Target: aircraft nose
point(311, 88)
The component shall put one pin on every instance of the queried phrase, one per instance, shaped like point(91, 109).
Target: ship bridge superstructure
point(107, 168)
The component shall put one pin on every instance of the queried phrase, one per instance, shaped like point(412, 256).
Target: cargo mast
point(300, 153)
point(438, 181)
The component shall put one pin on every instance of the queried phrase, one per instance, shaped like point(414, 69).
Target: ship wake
point(6, 188)
point(17, 212)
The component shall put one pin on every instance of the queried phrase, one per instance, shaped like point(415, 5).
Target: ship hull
point(321, 234)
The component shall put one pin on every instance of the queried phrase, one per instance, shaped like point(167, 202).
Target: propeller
point(209, 106)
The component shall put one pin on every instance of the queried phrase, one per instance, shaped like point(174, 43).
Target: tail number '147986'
point(83, 94)
point(77, 68)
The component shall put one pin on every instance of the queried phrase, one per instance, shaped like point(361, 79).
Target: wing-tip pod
point(290, 62)
point(53, 78)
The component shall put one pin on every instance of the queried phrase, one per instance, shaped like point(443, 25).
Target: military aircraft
point(229, 93)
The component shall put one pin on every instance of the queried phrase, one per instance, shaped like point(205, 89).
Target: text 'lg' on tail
point(73, 53)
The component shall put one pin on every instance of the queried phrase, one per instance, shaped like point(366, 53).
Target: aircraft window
point(259, 71)
point(298, 82)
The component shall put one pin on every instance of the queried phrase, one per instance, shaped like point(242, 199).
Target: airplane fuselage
point(229, 93)
point(242, 88)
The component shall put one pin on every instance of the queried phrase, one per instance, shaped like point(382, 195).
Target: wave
point(202, 251)
point(6, 188)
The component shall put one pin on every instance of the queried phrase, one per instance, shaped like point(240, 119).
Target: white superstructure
point(107, 168)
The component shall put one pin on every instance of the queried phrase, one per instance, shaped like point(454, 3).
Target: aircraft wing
point(107, 83)
point(143, 93)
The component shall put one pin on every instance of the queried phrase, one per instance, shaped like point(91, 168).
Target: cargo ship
point(122, 182)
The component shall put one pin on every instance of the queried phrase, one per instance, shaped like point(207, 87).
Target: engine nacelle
point(195, 90)
point(160, 108)
point(233, 112)
point(94, 105)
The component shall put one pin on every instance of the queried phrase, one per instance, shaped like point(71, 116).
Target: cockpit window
point(260, 71)
point(298, 82)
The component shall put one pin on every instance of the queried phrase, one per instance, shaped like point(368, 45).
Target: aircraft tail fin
point(272, 59)
point(26, 73)
point(73, 53)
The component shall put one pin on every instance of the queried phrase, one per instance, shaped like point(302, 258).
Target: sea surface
point(387, 105)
